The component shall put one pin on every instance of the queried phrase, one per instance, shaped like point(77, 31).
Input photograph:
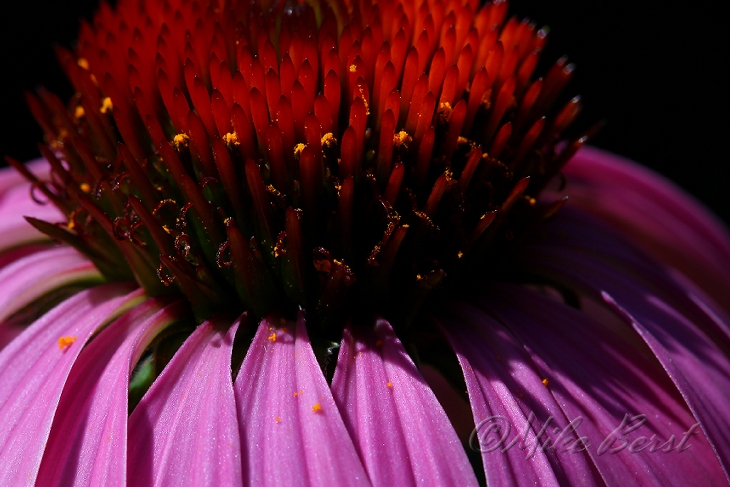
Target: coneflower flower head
point(289, 179)
point(343, 159)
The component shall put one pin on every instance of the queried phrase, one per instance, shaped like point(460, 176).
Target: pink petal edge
point(291, 429)
point(184, 431)
point(34, 369)
point(400, 430)
point(88, 440)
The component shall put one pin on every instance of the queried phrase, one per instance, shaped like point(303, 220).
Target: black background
point(651, 69)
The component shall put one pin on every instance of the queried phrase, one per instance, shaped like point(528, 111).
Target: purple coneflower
point(328, 243)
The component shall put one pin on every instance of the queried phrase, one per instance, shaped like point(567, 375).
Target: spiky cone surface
point(343, 158)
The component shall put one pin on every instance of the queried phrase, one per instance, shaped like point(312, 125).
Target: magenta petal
point(654, 213)
point(596, 374)
point(33, 276)
point(400, 430)
point(511, 406)
point(291, 429)
point(34, 369)
point(15, 204)
point(184, 431)
point(88, 440)
point(690, 344)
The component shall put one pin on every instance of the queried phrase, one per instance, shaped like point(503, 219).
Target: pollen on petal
point(85, 187)
point(272, 337)
point(180, 140)
point(298, 150)
point(106, 105)
point(79, 112)
point(402, 139)
point(65, 341)
point(316, 408)
point(83, 63)
point(390, 384)
point(278, 419)
point(545, 382)
point(231, 139)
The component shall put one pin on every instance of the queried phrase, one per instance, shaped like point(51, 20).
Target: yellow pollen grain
point(328, 140)
point(65, 342)
point(402, 139)
point(460, 254)
point(85, 187)
point(298, 150)
point(316, 408)
point(79, 112)
point(545, 382)
point(353, 68)
point(106, 105)
point(83, 63)
point(272, 337)
point(278, 419)
point(180, 140)
point(390, 384)
point(231, 139)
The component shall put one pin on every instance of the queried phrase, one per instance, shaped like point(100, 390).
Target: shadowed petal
point(512, 407)
point(655, 214)
point(88, 440)
point(596, 374)
point(33, 372)
point(690, 344)
point(36, 275)
point(400, 430)
point(15, 205)
point(184, 430)
point(291, 429)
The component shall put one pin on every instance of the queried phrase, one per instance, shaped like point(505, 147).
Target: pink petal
point(655, 214)
point(36, 275)
point(512, 406)
point(400, 430)
point(691, 344)
point(291, 429)
point(184, 430)
point(10, 178)
point(34, 369)
point(88, 440)
point(15, 205)
point(597, 374)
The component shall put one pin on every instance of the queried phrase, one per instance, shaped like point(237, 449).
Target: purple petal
point(15, 205)
point(32, 277)
point(690, 344)
point(10, 178)
point(88, 440)
point(400, 430)
point(654, 213)
point(596, 374)
point(33, 372)
point(184, 431)
point(511, 407)
point(291, 429)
